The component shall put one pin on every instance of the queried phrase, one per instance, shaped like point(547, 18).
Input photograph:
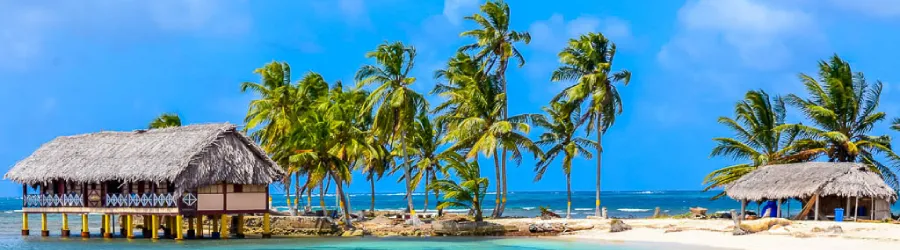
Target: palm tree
point(394, 103)
point(468, 192)
point(472, 114)
point(495, 44)
point(270, 117)
point(560, 125)
point(166, 120)
point(375, 163)
point(425, 145)
point(588, 60)
point(842, 105)
point(756, 140)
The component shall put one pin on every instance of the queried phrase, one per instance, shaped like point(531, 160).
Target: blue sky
point(69, 67)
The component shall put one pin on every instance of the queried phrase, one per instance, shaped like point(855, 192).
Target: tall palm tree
point(588, 60)
point(560, 125)
point(472, 114)
point(166, 120)
point(843, 106)
point(468, 192)
point(495, 44)
point(394, 103)
point(757, 142)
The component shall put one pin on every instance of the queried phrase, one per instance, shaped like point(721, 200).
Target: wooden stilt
point(179, 222)
point(214, 231)
point(743, 208)
point(85, 230)
point(872, 209)
point(64, 232)
point(191, 232)
point(129, 226)
point(816, 213)
point(154, 228)
point(200, 226)
point(267, 230)
point(223, 233)
point(856, 210)
point(44, 231)
point(25, 231)
point(778, 208)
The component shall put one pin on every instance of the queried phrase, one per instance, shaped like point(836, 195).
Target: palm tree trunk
point(409, 201)
point(322, 197)
point(599, 162)
point(287, 194)
point(372, 182)
point(308, 199)
point(437, 195)
point(425, 207)
point(502, 69)
point(568, 195)
point(476, 202)
point(298, 193)
point(498, 185)
point(344, 205)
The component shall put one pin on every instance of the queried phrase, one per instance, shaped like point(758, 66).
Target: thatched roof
point(803, 180)
point(188, 156)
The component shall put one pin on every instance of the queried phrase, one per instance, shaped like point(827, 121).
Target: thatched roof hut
point(804, 180)
point(189, 157)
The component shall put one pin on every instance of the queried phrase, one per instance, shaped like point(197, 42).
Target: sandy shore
point(717, 233)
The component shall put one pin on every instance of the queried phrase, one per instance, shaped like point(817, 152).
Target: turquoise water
point(332, 243)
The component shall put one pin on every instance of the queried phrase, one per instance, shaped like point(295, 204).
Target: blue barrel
point(838, 214)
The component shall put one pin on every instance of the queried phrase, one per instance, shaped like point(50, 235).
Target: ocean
point(621, 204)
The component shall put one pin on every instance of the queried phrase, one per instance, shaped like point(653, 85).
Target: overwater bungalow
point(822, 187)
point(169, 175)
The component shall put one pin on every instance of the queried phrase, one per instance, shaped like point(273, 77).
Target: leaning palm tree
point(756, 140)
point(588, 60)
point(843, 108)
point(166, 120)
point(393, 103)
point(468, 192)
point(560, 125)
point(495, 44)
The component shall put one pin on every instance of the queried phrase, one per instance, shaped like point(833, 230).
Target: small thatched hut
point(190, 171)
point(823, 186)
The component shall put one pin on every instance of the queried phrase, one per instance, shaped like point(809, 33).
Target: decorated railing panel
point(109, 200)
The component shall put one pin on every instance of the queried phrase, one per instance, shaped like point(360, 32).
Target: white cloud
point(455, 10)
point(877, 8)
point(757, 34)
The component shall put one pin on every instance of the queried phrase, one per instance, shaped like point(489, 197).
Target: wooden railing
point(109, 200)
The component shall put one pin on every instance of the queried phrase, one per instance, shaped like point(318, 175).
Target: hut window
point(238, 188)
point(230, 188)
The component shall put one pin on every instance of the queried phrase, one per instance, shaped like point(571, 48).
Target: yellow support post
point(64, 232)
point(25, 231)
point(85, 232)
point(44, 231)
point(107, 225)
point(267, 230)
point(199, 226)
point(129, 226)
point(179, 221)
point(154, 228)
point(224, 229)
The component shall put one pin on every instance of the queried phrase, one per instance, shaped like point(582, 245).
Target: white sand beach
point(717, 233)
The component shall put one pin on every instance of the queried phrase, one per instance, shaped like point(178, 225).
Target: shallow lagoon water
point(436, 243)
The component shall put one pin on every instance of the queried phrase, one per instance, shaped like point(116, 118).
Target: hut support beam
point(107, 233)
point(64, 231)
point(191, 232)
point(25, 231)
point(214, 231)
point(179, 222)
point(44, 231)
point(743, 208)
point(200, 226)
point(85, 231)
point(154, 228)
point(129, 226)
point(847, 207)
point(872, 209)
point(223, 230)
point(816, 213)
point(267, 230)
point(856, 210)
point(778, 208)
